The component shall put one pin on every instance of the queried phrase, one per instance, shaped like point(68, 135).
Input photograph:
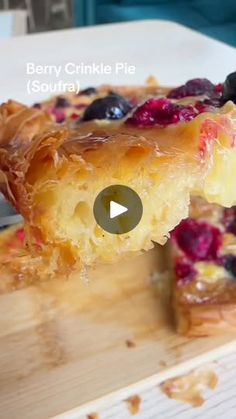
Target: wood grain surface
point(70, 343)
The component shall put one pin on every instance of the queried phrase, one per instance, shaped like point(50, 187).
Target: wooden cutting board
point(70, 345)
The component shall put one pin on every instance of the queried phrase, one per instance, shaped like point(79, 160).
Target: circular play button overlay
point(118, 209)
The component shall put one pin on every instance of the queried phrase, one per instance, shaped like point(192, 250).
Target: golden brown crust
point(18, 126)
point(19, 268)
point(205, 319)
point(19, 123)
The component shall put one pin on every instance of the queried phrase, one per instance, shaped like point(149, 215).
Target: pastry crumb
point(152, 81)
point(162, 363)
point(93, 416)
point(130, 343)
point(189, 388)
point(134, 404)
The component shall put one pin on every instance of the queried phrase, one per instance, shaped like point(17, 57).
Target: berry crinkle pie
point(166, 144)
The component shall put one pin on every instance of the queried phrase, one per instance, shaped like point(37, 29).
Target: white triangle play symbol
point(116, 209)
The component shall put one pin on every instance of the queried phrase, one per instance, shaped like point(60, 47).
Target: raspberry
point(161, 112)
point(207, 105)
point(219, 88)
point(20, 234)
point(194, 87)
point(74, 116)
point(184, 272)
point(198, 240)
point(59, 115)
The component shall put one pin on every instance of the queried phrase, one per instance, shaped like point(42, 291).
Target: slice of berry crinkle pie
point(202, 253)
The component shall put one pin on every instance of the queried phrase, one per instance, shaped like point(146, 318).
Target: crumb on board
point(134, 404)
point(189, 387)
point(93, 416)
point(130, 343)
point(162, 363)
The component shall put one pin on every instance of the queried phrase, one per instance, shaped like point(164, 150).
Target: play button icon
point(118, 209)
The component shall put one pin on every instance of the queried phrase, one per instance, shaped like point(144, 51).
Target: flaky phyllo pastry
point(53, 172)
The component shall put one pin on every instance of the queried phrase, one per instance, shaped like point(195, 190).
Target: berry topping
point(184, 272)
point(74, 116)
point(89, 91)
point(59, 115)
point(219, 88)
point(208, 134)
point(20, 234)
point(194, 87)
point(230, 264)
point(229, 89)
point(62, 102)
point(161, 112)
point(37, 105)
point(198, 240)
point(208, 105)
point(112, 106)
point(80, 106)
point(229, 220)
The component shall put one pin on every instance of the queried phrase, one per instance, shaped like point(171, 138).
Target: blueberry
point(37, 105)
point(89, 91)
point(111, 107)
point(62, 102)
point(229, 89)
point(230, 264)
